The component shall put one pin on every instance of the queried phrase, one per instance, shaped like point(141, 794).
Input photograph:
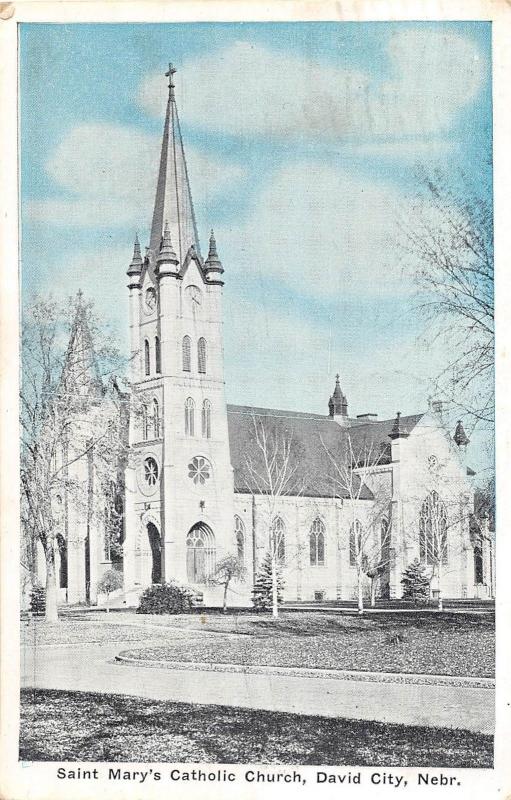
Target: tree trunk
point(360, 593)
point(274, 592)
point(373, 592)
point(440, 601)
point(51, 614)
point(226, 586)
point(108, 603)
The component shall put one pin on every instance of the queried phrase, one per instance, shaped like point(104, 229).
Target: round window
point(199, 470)
point(150, 471)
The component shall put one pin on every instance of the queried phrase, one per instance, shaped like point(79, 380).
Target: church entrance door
point(155, 542)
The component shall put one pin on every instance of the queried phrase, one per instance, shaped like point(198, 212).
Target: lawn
point(75, 726)
point(425, 643)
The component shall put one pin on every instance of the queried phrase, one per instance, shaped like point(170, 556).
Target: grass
point(76, 726)
point(425, 643)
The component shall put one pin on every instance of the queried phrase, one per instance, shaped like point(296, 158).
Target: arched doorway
point(200, 553)
point(155, 542)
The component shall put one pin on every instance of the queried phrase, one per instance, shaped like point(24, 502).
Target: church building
point(333, 494)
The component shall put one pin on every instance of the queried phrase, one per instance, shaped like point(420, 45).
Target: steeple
point(173, 201)
point(338, 404)
point(80, 374)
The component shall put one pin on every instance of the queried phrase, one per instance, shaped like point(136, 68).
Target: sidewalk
point(92, 668)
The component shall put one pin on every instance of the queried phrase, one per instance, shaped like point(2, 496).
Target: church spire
point(80, 374)
point(173, 201)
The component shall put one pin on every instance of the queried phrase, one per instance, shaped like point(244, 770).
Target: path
point(90, 668)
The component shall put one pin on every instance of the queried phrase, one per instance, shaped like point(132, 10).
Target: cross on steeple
point(170, 76)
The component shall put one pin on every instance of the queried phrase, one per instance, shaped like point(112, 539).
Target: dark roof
point(310, 434)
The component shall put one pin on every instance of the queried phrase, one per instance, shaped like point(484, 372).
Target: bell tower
point(180, 512)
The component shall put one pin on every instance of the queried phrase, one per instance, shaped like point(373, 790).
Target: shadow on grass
point(79, 726)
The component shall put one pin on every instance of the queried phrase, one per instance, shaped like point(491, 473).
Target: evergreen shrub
point(166, 598)
point(38, 600)
point(415, 582)
point(262, 592)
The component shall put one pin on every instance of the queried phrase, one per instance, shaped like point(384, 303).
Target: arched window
point(239, 533)
point(433, 530)
point(189, 417)
point(278, 535)
point(201, 354)
point(317, 543)
point(157, 354)
point(187, 354)
point(478, 563)
point(147, 360)
point(156, 419)
point(145, 423)
point(206, 419)
point(355, 542)
point(200, 553)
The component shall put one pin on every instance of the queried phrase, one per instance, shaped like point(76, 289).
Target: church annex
point(358, 492)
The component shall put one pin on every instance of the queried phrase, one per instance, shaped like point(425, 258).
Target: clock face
point(194, 295)
point(150, 299)
point(432, 461)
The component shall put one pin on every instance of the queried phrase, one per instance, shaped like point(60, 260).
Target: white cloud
point(248, 90)
point(110, 174)
point(323, 232)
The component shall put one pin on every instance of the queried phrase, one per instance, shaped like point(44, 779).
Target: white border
point(38, 781)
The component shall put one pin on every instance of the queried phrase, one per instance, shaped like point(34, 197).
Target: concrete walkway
point(91, 668)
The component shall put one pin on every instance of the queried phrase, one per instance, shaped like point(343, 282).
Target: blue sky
point(303, 141)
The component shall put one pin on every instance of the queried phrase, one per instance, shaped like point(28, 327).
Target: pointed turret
point(167, 260)
point(173, 200)
point(398, 432)
point(213, 266)
point(80, 374)
point(338, 403)
point(135, 267)
point(460, 437)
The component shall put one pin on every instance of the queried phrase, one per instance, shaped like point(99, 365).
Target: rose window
point(199, 470)
point(150, 471)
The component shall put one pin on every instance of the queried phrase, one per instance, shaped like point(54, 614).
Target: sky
point(303, 142)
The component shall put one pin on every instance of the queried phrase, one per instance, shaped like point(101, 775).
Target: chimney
point(367, 417)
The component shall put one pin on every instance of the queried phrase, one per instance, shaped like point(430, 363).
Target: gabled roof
point(312, 435)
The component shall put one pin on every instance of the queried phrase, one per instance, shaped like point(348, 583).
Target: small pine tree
point(262, 591)
point(38, 600)
point(415, 582)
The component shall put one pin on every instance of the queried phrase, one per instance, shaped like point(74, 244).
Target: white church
point(355, 493)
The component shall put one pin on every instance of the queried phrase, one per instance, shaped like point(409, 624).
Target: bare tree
point(272, 464)
point(369, 543)
point(68, 417)
point(228, 569)
point(448, 239)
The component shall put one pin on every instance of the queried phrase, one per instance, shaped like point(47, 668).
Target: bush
point(38, 600)
point(166, 598)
